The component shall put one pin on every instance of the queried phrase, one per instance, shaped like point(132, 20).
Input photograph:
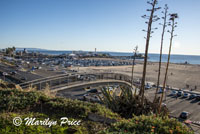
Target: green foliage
point(36, 104)
point(10, 50)
point(6, 125)
point(16, 103)
point(147, 125)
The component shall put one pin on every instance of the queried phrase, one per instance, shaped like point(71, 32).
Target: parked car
point(173, 93)
point(161, 90)
point(39, 67)
point(184, 115)
point(186, 95)
point(93, 91)
point(52, 69)
point(192, 96)
point(198, 97)
point(23, 78)
point(147, 86)
point(164, 104)
point(180, 93)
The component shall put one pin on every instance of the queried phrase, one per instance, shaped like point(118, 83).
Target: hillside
point(94, 118)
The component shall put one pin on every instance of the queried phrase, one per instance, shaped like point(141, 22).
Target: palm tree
point(152, 18)
point(161, 46)
point(173, 24)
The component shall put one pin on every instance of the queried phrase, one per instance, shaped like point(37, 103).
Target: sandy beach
point(178, 75)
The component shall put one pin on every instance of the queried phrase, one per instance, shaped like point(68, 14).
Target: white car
point(163, 104)
point(173, 93)
point(5, 74)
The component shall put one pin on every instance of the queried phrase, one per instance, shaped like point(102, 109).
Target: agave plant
point(164, 25)
point(152, 18)
point(173, 25)
point(127, 104)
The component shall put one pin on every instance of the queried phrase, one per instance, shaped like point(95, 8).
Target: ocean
point(191, 59)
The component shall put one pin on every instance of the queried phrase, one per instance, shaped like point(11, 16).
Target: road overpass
point(59, 81)
point(92, 84)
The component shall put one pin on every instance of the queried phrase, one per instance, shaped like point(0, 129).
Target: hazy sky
point(108, 25)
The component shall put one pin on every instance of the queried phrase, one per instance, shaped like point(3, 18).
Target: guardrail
point(61, 79)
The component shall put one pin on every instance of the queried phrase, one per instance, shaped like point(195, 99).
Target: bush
point(148, 125)
point(13, 100)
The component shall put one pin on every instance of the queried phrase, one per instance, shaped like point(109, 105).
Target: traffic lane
point(20, 74)
point(29, 76)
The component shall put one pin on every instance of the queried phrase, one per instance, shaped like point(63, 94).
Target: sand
point(178, 74)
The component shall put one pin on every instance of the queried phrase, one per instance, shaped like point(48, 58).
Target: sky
point(108, 25)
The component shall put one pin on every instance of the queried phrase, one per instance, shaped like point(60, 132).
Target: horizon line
point(97, 51)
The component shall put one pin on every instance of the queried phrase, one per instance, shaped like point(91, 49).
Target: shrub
point(148, 125)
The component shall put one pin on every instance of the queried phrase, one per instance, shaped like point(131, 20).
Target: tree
point(10, 50)
point(152, 18)
point(161, 46)
point(173, 25)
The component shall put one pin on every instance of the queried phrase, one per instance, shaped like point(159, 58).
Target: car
point(180, 93)
point(186, 95)
point(13, 72)
point(39, 67)
point(198, 97)
point(163, 104)
point(5, 73)
point(63, 71)
point(93, 91)
point(192, 96)
point(173, 93)
point(161, 90)
point(147, 86)
point(184, 115)
point(85, 95)
point(23, 78)
point(52, 69)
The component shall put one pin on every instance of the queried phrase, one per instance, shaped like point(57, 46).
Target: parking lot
point(178, 104)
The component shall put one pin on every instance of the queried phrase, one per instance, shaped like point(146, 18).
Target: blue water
point(191, 59)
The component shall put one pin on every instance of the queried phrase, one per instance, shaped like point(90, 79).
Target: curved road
point(92, 83)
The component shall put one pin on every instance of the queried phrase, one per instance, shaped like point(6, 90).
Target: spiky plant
point(152, 18)
point(173, 25)
point(164, 25)
point(127, 104)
